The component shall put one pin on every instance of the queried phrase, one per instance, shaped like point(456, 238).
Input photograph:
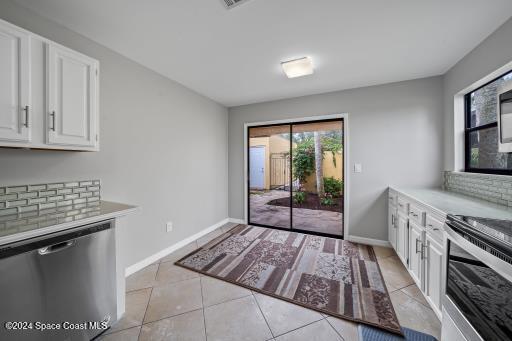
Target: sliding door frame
point(346, 181)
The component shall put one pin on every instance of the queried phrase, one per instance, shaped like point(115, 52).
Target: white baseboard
point(236, 221)
point(368, 241)
point(153, 258)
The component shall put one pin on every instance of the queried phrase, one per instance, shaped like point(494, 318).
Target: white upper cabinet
point(14, 84)
point(72, 98)
point(49, 94)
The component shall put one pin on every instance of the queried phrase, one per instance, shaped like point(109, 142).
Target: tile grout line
point(149, 300)
point(294, 329)
point(202, 303)
point(262, 314)
point(336, 331)
point(168, 317)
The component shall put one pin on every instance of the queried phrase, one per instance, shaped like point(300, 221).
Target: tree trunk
point(318, 165)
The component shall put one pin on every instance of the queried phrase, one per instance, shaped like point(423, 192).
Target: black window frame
point(468, 129)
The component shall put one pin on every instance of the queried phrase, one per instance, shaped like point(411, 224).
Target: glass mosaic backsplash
point(28, 198)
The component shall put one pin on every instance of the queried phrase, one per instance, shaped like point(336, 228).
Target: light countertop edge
point(123, 210)
point(445, 202)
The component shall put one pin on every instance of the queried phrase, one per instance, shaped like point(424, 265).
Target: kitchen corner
point(59, 240)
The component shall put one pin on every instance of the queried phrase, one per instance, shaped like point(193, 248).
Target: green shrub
point(333, 187)
point(303, 160)
point(327, 200)
point(299, 197)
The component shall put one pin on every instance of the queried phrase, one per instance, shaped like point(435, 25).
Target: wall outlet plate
point(358, 168)
point(168, 226)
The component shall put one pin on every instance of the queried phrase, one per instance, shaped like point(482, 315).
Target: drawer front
point(417, 214)
point(434, 227)
point(403, 205)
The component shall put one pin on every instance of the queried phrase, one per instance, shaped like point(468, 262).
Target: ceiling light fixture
point(298, 67)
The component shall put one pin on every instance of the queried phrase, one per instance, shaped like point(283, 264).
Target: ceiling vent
point(232, 3)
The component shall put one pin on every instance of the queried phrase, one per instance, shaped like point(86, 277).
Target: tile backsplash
point(490, 187)
point(26, 198)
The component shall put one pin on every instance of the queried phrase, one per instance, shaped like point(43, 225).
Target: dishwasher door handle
point(56, 247)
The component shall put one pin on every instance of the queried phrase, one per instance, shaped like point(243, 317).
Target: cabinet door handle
point(26, 110)
point(423, 253)
point(52, 115)
point(418, 251)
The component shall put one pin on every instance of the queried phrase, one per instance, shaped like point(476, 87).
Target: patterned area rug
point(332, 276)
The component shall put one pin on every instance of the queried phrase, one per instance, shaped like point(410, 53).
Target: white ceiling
point(233, 56)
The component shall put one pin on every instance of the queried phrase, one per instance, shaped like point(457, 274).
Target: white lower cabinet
point(415, 232)
point(402, 238)
point(416, 253)
point(434, 273)
point(392, 223)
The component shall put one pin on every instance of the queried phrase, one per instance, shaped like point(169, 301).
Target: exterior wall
point(329, 171)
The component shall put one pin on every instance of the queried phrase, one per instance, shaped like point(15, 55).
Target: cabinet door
point(392, 222)
point(72, 98)
point(402, 238)
point(434, 273)
point(14, 84)
point(416, 253)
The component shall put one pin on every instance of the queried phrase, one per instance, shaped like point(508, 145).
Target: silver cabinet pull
point(417, 251)
point(52, 115)
point(26, 115)
point(423, 252)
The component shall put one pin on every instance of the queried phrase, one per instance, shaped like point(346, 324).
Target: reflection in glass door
point(296, 176)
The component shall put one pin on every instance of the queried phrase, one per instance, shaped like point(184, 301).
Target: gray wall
point(163, 147)
point(396, 132)
point(493, 53)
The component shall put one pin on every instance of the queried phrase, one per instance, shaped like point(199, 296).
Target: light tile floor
point(166, 302)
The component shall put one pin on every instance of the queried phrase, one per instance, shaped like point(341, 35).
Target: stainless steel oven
point(478, 287)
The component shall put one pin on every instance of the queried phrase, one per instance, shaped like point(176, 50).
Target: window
point(481, 131)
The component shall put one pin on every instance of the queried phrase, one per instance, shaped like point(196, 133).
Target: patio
point(304, 219)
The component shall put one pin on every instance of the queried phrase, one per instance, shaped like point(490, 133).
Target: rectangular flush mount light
point(298, 67)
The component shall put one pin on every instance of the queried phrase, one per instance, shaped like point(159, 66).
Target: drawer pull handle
point(52, 115)
point(26, 110)
point(418, 251)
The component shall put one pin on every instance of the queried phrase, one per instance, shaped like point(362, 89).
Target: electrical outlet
point(358, 168)
point(169, 226)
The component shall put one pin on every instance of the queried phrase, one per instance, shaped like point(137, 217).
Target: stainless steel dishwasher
point(66, 279)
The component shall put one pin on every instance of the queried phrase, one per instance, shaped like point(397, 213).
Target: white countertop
point(447, 202)
point(28, 225)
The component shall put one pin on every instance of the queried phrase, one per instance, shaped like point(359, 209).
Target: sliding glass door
point(295, 176)
point(269, 176)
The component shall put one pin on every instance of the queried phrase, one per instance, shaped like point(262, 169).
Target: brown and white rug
point(332, 276)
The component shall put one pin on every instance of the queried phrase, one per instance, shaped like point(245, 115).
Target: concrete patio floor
point(303, 219)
